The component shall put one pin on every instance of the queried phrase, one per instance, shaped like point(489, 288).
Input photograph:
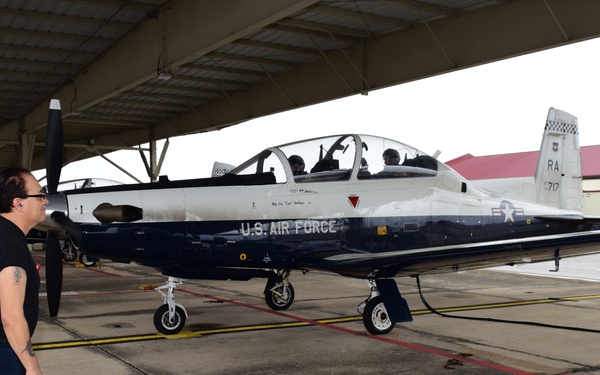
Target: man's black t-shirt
point(14, 252)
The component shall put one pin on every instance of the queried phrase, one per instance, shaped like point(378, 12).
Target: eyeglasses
point(41, 195)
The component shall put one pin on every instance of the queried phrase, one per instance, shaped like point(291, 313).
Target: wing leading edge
point(593, 220)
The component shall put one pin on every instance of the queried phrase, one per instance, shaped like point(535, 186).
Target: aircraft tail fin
point(558, 176)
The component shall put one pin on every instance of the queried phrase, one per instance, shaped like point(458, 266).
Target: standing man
point(22, 206)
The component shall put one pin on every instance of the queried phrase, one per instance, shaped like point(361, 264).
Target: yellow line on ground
point(261, 327)
point(507, 304)
point(105, 341)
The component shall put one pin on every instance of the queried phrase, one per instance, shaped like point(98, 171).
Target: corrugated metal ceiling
point(44, 44)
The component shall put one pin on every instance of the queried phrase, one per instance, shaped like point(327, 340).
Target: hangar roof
point(130, 72)
point(520, 164)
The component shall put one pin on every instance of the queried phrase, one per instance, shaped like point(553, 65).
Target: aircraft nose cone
point(57, 202)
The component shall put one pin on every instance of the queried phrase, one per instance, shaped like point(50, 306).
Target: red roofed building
point(522, 164)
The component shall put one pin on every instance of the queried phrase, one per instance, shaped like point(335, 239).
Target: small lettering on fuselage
point(287, 203)
point(277, 228)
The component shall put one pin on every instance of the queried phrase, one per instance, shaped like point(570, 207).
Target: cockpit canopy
point(339, 158)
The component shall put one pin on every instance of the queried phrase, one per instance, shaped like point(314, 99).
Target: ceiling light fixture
point(164, 75)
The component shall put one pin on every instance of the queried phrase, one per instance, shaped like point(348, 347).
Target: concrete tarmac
point(105, 326)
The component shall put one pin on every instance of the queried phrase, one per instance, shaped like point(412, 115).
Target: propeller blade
point(70, 227)
point(54, 160)
point(54, 146)
point(54, 272)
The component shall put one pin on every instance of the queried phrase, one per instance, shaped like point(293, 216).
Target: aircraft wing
point(443, 259)
point(594, 220)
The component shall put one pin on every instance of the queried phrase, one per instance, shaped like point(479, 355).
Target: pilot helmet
point(394, 156)
point(297, 164)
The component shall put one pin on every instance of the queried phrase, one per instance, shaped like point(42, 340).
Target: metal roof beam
point(218, 69)
point(367, 17)
point(325, 29)
point(311, 33)
point(256, 60)
point(56, 36)
point(76, 121)
point(276, 47)
point(138, 5)
point(45, 50)
point(175, 107)
point(183, 97)
point(41, 64)
point(185, 89)
point(427, 7)
point(64, 19)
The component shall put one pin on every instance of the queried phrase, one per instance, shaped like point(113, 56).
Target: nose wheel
point(170, 317)
point(166, 324)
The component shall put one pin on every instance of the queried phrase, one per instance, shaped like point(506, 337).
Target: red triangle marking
point(354, 199)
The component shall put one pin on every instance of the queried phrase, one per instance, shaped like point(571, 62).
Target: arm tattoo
point(29, 348)
point(17, 275)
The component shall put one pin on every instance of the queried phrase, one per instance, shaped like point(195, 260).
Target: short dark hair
point(12, 185)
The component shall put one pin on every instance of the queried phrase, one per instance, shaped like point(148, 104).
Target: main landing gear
point(70, 253)
point(279, 292)
point(170, 317)
point(377, 318)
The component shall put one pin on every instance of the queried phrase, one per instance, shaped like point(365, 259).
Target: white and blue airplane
point(348, 213)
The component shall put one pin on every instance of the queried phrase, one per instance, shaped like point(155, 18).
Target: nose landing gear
point(170, 317)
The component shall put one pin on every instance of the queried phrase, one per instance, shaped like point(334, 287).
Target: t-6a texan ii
point(329, 204)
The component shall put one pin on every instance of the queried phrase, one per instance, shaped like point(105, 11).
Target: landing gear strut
point(279, 292)
point(169, 318)
point(375, 317)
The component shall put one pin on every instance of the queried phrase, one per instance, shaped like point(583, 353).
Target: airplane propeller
point(54, 159)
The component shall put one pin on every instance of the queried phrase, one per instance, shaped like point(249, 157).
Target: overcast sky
point(492, 109)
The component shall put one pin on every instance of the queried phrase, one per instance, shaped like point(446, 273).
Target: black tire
point(274, 295)
point(69, 252)
point(162, 323)
point(87, 261)
point(376, 318)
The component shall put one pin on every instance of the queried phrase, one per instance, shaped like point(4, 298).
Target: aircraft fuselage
point(295, 225)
